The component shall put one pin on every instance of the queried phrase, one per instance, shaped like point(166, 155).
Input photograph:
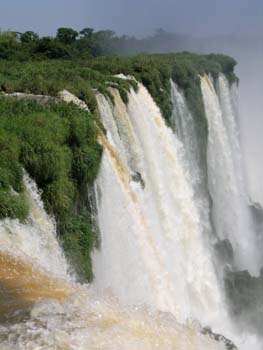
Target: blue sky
point(137, 17)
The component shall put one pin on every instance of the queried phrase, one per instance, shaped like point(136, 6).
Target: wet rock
point(219, 337)
point(137, 177)
point(256, 211)
point(245, 296)
point(64, 95)
point(68, 97)
point(224, 251)
point(42, 99)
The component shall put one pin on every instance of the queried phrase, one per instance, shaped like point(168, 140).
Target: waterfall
point(183, 124)
point(230, 209)
point(152, 247)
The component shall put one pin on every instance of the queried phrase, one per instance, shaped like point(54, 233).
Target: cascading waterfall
point(36, 238)
point(29, 253)
point(151, 234)
point(230, 210)
point(183, 124)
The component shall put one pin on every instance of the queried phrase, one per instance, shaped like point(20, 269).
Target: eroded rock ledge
point(63, 95)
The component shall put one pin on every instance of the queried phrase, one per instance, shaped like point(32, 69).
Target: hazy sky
point(134, 16)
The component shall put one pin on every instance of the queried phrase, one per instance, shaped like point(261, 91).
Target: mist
point(250, 70)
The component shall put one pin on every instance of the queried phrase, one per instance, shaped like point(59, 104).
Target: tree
point(51, 48)
point(67, 35)
point(103, 43)
point(8, 44)
point(8, 37)
point(86, 33)
point(29, 37)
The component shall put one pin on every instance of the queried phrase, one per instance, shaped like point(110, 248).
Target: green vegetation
point(67, 44)
point(12, 203)
point(78, 243)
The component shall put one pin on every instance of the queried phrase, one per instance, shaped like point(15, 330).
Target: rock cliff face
point(246, 295)
point(42, 99)
point(67, 97)
point(220, 338)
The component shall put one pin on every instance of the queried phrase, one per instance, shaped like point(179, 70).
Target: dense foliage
point(86, 43)
point(67, 44)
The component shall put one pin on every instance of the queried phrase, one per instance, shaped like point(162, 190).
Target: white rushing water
point(225, 176)
point(152, 247)
point(184, 126)
point(37, 237)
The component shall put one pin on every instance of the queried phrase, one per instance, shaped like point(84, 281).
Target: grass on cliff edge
point(81, 77)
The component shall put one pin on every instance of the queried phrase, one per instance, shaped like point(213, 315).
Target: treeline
point(69, 43)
